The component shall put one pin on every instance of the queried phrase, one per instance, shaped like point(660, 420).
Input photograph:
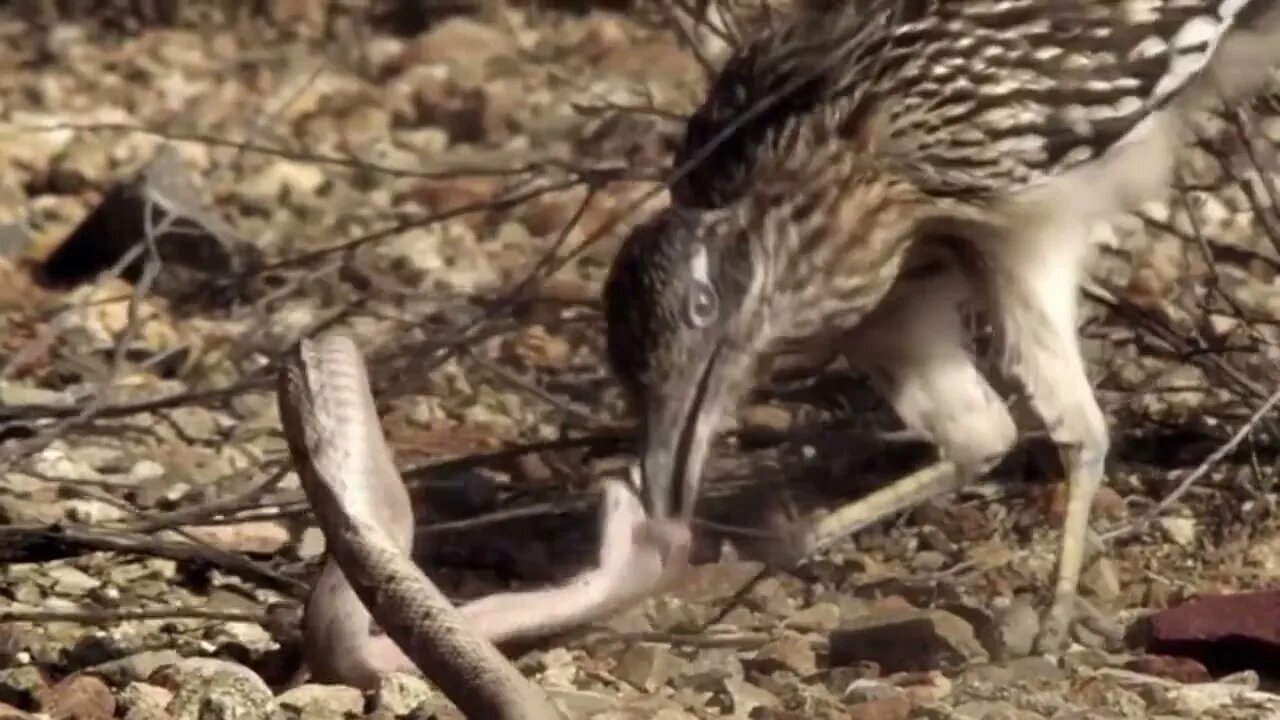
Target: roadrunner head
point(696, 296)
point(683, 306)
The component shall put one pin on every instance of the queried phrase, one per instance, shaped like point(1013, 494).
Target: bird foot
point(780, 540)
point(671, 540)
point(1069, 613)
point(1055, 627)
point(800, 539)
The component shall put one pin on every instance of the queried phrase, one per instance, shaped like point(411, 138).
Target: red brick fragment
point(1225, 633)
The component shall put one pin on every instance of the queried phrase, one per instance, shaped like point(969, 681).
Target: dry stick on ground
point(19, 542)
point(363, 507)
point(102, 617)
point(1203, 469)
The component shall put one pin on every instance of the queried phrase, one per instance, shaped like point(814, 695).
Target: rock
point(453, 194)
point(744, 698)
point(70, 581)
point(81, 166)
point(582, 703)
point(513, 246)
point(191, 240)
point(1179, 530)
point(923, 688)
point(556, 666)
point(36, 150)
point(791, 652)
point(211, 688)
point(88, 511)
point(80, 697)
point(866, 689)
point(465, 113)
point(1086, 659)
point(96, 646)
point(399, 693)
point(989, 710)
point(771, 597)
point(1013, 672)
point(849, 681)
point(935, 540)
point(1183, 670)
point(646, 666)
point(643, 61)
point(928, 561)
point(1088, 635)
point(141, 701)
point(314, 702)
point(894, 707)
point(819, 616)
point(710, 583)
point(1017, 625)
point(1205, 699)
point(465, 46)
point(23, 686)
point(283, 182)
point(444, 254)
point(549, 214)
point(1109, 505)
point(532, 469)
point(601, 34)
point(145, 470)
point(904, 640)
point(311, 543)
point(1160, 594)
point(57, 460)
point(708, 669)
point(537, 349)
point(307, 16)
point(17, 511)
point(16, 639)
point(1223, 632)
point(197, 423)
point(237, 637)
point(1101, 579)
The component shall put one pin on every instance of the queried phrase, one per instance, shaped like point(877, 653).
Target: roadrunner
point(879, 165)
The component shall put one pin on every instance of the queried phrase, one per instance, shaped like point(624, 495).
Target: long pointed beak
point(680, 426)
point(659, 489)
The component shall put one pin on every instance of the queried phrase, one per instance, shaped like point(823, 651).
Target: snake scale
point(363, 508)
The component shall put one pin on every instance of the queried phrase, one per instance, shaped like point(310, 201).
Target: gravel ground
point(409, 185)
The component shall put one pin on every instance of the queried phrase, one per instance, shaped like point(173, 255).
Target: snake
point(372, 610)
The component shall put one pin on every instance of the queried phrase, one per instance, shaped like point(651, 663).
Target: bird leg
point(925, 484)
point(1033, 282)
point(915, 346)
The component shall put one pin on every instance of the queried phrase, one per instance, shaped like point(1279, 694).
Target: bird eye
point(701, 305)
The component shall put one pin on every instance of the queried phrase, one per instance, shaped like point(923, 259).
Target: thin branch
point(1203, 469)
